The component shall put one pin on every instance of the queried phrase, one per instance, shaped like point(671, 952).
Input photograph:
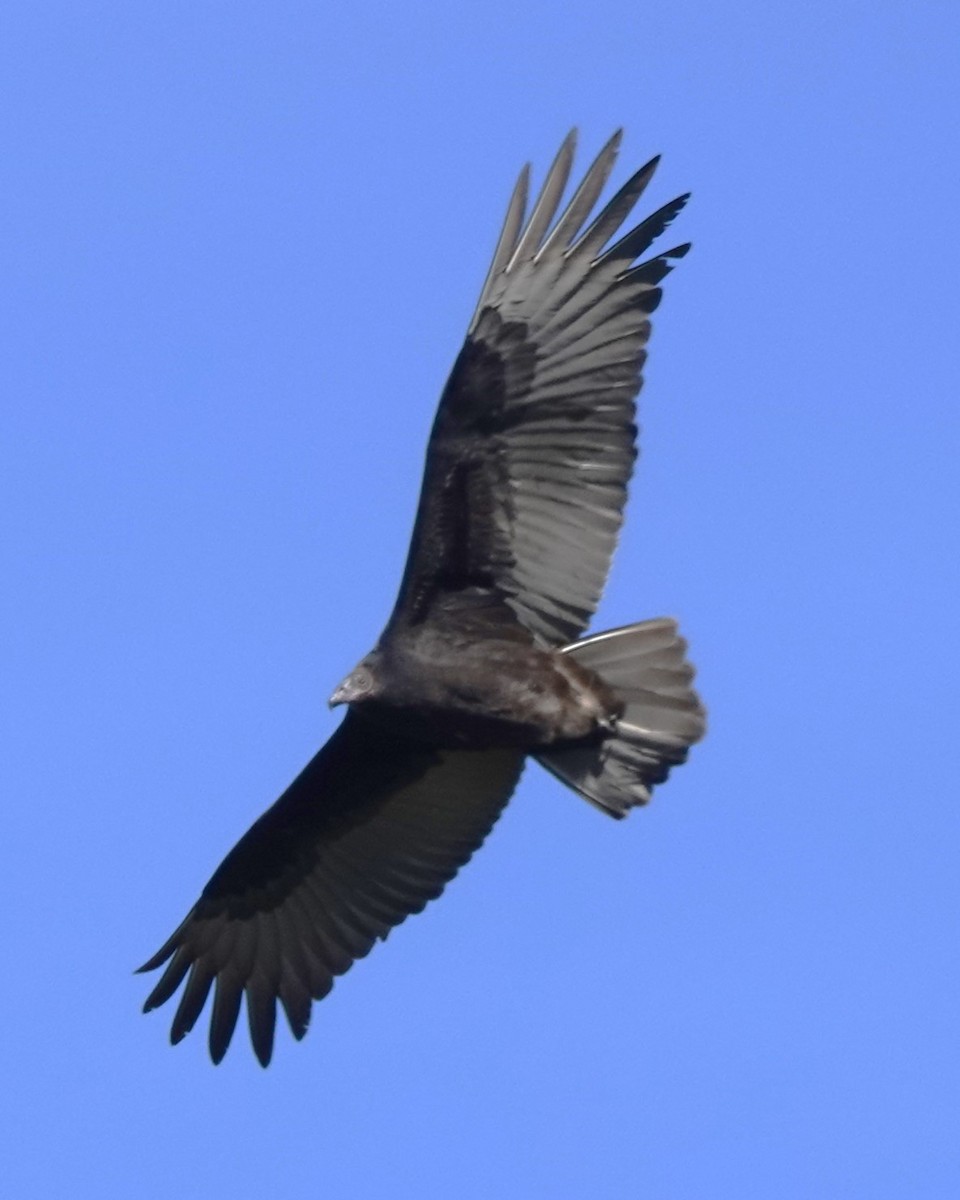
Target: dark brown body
point(493, 693)
point(447, 682)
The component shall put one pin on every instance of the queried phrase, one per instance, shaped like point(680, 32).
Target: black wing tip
point(156, 961)
point(220, 1035)
point(263, 1047)
point(645, 173)
point(261, 1021)
point(637, 184)
point(668, 212)
point(613, 142)
point(299, 1024)
point(161, 993)
point(262, 1040)
point(656, 269)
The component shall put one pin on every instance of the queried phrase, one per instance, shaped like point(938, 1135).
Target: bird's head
point(363, 683)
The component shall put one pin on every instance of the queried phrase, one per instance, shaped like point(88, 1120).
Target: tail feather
point(645, 665)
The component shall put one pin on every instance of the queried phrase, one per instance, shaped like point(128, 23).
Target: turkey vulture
point(523, 493)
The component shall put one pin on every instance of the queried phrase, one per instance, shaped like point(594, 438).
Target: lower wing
point(372, 829)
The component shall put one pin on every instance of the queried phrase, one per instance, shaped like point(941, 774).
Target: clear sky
point(240, 245)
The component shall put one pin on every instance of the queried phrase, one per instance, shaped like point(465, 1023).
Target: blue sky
point(240, 247)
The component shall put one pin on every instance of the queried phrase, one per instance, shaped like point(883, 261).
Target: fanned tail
point(645, 665)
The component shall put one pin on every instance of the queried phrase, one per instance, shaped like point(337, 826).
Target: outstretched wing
point(371, 829)
point(534, 440)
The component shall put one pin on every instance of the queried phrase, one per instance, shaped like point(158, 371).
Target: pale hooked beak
point(341, 695)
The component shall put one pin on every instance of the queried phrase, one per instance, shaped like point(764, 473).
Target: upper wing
point(533, 443)
point(371, 829)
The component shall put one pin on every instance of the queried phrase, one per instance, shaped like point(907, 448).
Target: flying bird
point(479, 665)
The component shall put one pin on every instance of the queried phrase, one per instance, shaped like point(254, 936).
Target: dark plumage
point(522, 500)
